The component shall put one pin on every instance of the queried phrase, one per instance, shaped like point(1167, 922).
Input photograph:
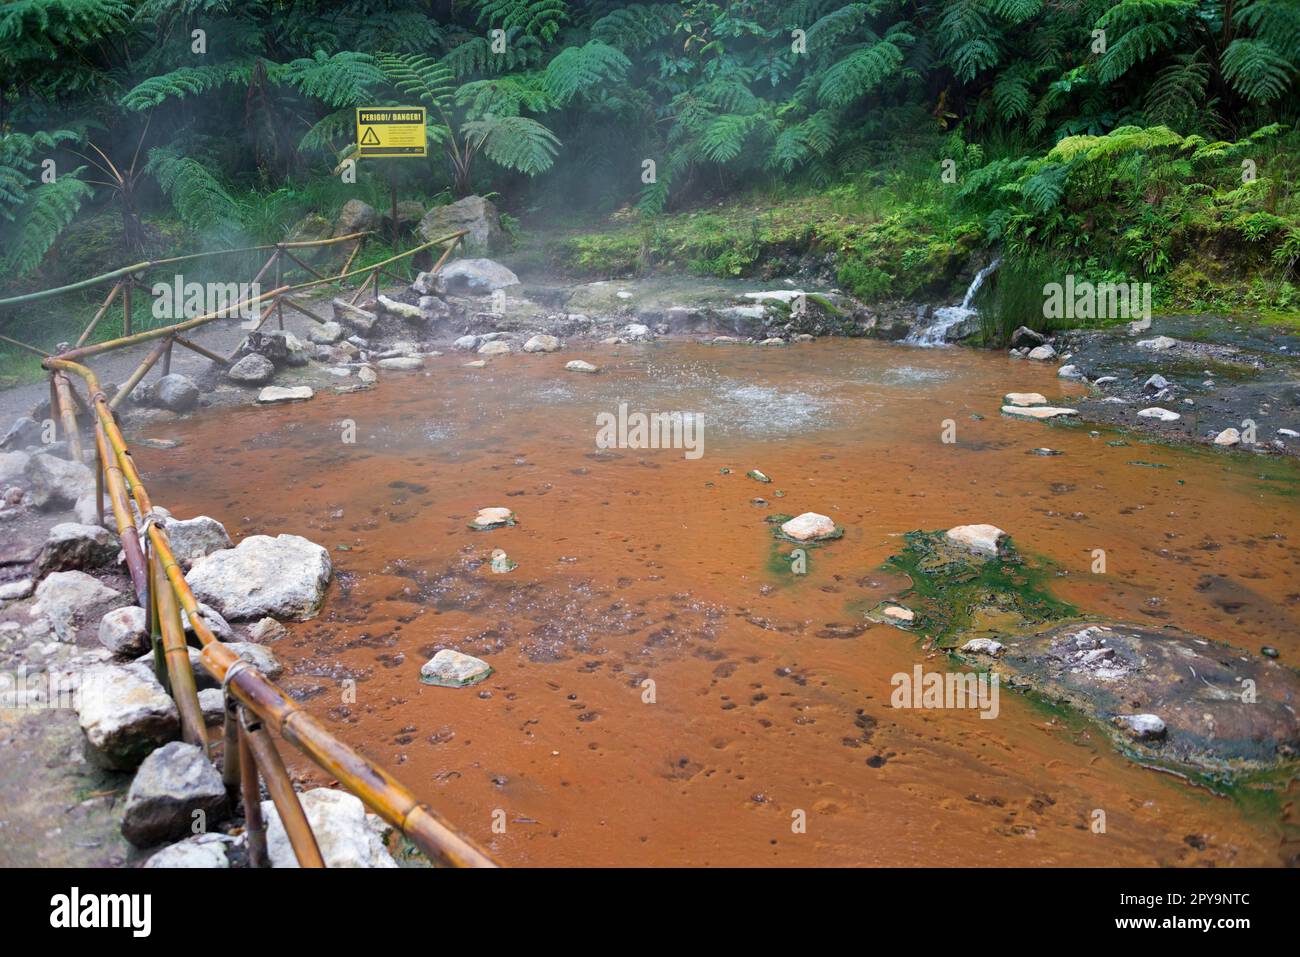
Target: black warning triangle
point(368, 138)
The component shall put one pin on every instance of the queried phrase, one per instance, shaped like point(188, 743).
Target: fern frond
point(515, 142)
point(534, 18)
point(861, 71)
point(339, 79)
point(202, 203)
point(45, 213)
point(635, 26)
point(577, 69)
point(1256, 70)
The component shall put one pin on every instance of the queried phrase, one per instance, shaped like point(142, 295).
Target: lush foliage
point(1067, 120)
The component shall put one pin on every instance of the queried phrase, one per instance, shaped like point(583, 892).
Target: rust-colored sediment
point(634, 566)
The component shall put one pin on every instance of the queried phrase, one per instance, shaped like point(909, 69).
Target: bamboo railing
point(255, 706)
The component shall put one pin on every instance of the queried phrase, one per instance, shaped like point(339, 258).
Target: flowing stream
point(948, 317)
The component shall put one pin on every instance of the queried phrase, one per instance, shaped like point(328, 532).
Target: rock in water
point(176, 392)
point(402, 363)
point(981, 539)
point(1042, 353)
point(1158, 344)
point(1024, 398)
point(73, 546)
point(275, 393)
point(1026, 338)
point(577, 365)
point(346, 835)
point(175, 787)
point(1037, 411)
point(68, 598)
point(451, 669)
point(253, 369)
point(283, 576)
point(125, 631)
point(58, 482)
point(983, 646)
point(542, 344)
point(492, 518)
point(810, 526)
point(125, 715)
point(496, 348)
point(192, 538)
point(266, 629)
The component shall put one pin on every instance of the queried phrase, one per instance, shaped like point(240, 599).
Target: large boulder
point(346, 835)
point(474, 277)
point(23, 433)
point(58, 482)
point(193, 538)
point(355, 217)
point(125, 715)
point(253, 369)
point(176, 392)
point(13, 465)
point(68, 598)
point(542, 343)
point(70, 545)
point(284, 577)
point(473, 213)
point(175, 788)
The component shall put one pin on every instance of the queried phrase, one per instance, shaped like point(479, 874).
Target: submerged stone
point(981, 539)
point(1024, 398)
point(452, 669)
point(1038, 411)
point(492, 518)
point(809, 527)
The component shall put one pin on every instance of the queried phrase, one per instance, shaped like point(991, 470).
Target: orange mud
point(772, 691)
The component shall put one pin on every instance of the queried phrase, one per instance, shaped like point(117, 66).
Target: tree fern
point(576, 69)
point(1178, 93)
point(515, 142)
point(202, 202)
point(1146, 27)
point(534, 18)
point(635, 26)
point(182, 82)
point(864, 69)
point(1256, 70)
point(47, 210)
point(339, 79)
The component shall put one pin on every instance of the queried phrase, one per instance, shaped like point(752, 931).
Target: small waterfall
point(935, 334)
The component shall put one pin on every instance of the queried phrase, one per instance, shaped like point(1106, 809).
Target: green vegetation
point(887, 143)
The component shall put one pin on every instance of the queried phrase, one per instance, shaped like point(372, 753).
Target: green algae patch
point(960, 595)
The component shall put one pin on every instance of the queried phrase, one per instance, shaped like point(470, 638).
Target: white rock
point(125, 631)
point(466, 343)
point(542, 343)
point(1144, 727)
point(325, 333)
point(1037, 411)
point(493, 517)
point(495, 348)
point(71, 545)
point(346, 835)
point(260, 657)
point(279, 393)
point(212, 703)
point(13, 465)
point(1042, 353)
point(899, 613)
point(774, 341)
point(1164, 415)
point(403, 309)
point(982, 539)
point(367, 374)
point(266, 629)
point(578, 365)
point(198, 852)
point(218, 625)
point(983, 646)
point(1289, 433)
point(451, 669)
point(57, 482)
point(283, 576)
point(808, 526)
point(1024, 398)
point(66, 598)
point(401, 363)
point(12, 591)
point(175, 786)
point(635, 331)
point(125, 715)
point(253, 369)
point(193, 538)
point(474, 277)
point(1228, 437)
point(1069, 372)
point(1158, 344)
point(476, 364)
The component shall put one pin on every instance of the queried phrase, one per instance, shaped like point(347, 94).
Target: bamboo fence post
point(254, 826)
point(279, 271)
point(99, 314)
point(292, 816)
point(232, 758)
point(126, 305)
point(63, 391)
point(195, 347)
point(141, 371)
point(184, 689)
point(167, 356)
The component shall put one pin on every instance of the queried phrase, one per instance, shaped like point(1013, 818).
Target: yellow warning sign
point(391, 131)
